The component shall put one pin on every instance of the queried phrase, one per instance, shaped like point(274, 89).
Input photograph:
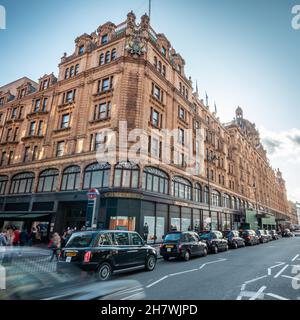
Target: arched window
point(67, 73)
point(96, 175)
point(48, 180)
point(126, 175)
point(71, 179)
point(101, 59)
point(198, 192)
point(22, 183)
point(72, 71)
point(234, 203)
point(107, 57)
point(113, 54)
point(182, 188)
point(3, 184)
point(206, 194)
point(227, 201)
point(216, 198)
point(155, 180)
point(76, 69)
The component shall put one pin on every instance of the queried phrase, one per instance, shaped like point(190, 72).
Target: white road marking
point(277, 265)
point(295, 258)
point(256, 279)
point(156, 282)
point(258, 293)
point(182, 272)
point(289, 277)
point(127, 298)
point(276, 296)
point(280, 272)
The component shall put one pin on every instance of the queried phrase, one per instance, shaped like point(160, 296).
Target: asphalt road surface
point(268, 271)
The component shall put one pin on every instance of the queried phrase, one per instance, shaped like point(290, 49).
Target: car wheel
point(204, 252)
point(104, 271)
point(186, 256)
point(215, 249)
point(244, 244)
point(166, 258)
point(150, 263)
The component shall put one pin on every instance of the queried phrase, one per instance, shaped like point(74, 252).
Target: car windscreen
point(82, 240)
point(172, 237)
point(205, 236)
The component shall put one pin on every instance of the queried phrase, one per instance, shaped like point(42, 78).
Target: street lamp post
point(209, 160)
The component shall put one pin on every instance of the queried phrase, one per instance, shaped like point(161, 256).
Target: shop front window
point(22, 183)
point(48, 180)
point(182, 188)
point(214, 220)
point(3, 183)
point(122, 223)
point(71, 179)
point(186, 221)
point(155, 180)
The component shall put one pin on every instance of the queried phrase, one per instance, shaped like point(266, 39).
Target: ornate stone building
point(49, 135)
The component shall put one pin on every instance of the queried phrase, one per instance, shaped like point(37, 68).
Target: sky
point(242, 53)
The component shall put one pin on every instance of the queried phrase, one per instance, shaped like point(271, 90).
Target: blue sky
point(241, 52)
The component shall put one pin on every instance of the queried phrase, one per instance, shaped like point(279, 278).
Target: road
point(263, 272)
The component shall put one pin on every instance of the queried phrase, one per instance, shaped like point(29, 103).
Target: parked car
point(107, 252)
point(296, 233)
point(269, 235)
point(274, 234)
point(250, 237)
point(182, 245)
point(215, 241)
point(263, 237)
point(287, 233)
point(234, 239)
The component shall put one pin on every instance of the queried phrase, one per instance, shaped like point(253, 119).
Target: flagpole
point(150, 8)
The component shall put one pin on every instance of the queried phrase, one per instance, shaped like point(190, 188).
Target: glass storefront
point(122, 223)
point(161, 221)
point(196, 220)
point(186, 221)
point(206, 220)
point(214, 220)
point(175, 218)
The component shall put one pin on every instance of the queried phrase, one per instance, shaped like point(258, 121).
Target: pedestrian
point(24, 237)
point(16, 240)
point(3, 238)
point(55, 246)
point(146, 231)
point(10, 236)
point(33, 234)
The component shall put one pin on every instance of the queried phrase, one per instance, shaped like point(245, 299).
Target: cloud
point(284, 152)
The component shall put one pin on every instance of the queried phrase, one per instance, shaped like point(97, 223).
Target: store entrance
point(122, 223)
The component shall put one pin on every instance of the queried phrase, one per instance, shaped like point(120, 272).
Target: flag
point(215, 107)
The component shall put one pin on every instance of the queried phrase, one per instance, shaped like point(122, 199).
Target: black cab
point(215, 241)
point(234, 239)
point(250, 237)
point(107, 252)
point(182, 245)
point(263, 237)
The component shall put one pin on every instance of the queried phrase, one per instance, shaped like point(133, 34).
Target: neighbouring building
point(128, 72)
point(298, 212)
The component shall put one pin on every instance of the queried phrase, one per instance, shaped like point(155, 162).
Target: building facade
point(49, 138)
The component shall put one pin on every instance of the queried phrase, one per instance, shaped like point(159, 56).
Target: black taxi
point(107, 252)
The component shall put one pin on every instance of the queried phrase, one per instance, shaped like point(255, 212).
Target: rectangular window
point(104, 39)
point(21, 112)
point(35, 153)
point(26, 154)
point(44, 104)
point(181, 113)
point(98, 141)
point(81, 50)
point(10, 158)
point(8, 136)
point(31, 128)
point(37, 105)
point(40, 128)
point(14, 113)
point(157, 93)
point(181, 136)
point(155, 118)
point(155, 148)
point(3, 158)
point(45, 84)
point(60, 148)
point(70, 96)
point(65, 121)
point(1, 101)
point(16, 134)
point(105, 85)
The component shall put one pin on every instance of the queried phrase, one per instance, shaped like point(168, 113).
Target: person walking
point(16, 240)
point(24, 237)
point(55, 246)
point(146, 232)
point(3, 239)
point(10, 236)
